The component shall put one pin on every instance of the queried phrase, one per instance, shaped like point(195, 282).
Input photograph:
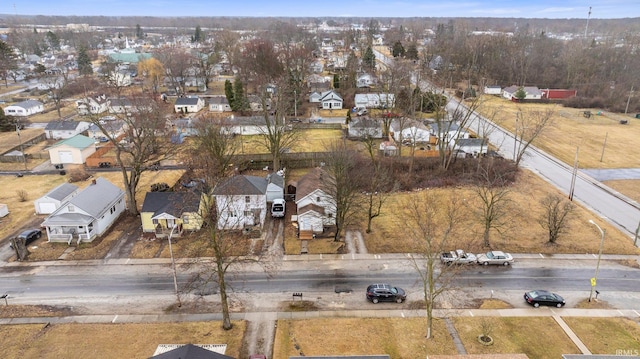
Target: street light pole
point(595, 277)
point(173, 266)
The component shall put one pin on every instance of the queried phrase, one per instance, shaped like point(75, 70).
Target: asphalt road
point(82, 282)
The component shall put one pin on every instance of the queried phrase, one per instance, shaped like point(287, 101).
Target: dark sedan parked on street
point(542, 297)
point(385, 293)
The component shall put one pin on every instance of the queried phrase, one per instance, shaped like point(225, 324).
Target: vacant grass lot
point(571, 130)
point(607, 335)
point(112, 340)
point(537, 337)
point(521, 232)
point(398, 337)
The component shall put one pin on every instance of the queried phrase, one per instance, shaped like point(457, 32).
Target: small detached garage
point(51, 201)
point(74, 150)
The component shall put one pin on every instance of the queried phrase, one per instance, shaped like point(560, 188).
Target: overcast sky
point(553, 9)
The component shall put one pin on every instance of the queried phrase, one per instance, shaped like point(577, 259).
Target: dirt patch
point(593, 304)
point(494, 304)
point(23, 311)
point(299, 306)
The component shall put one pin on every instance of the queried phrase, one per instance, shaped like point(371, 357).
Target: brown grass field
point(570, 130)
point(112, 340)
point(606, 335)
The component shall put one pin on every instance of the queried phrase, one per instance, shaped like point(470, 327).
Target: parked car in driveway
point(540, 297)
point(385, 293)
point(495, 257)
point(29, 236)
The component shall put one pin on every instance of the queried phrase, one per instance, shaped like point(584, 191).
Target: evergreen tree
point(336, 81)
point(8, 61)
point(139, 32)
point(348, 120)
point(84, 62)
point(7, 123)
point(239, 100)
point(520, 94)
point(228, 91)
point(52, 40)
point(398, 49)
point(412, 52)
point(198, 36)
point(369, 59)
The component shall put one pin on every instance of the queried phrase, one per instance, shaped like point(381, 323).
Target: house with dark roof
point(24, 108)
point(74, 150)
point(531, 92)
point(191, 351)
point(62, 129)
point(275, 186)
point(219, 104)
point(87, 215)
point(53, 199)
point(92, 105)
point(365, 127)
point(191, 104)
point(241, 202)
point(164, 212)
point(316, 208)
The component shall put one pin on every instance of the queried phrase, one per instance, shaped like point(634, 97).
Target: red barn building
point(558, 94)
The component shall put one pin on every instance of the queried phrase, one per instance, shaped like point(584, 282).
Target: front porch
point(71, 234)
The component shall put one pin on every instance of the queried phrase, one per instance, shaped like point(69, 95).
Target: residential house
point(410, 132)
point(365, 81)
point(316, 67)
point(492, 90)
point(558, 94)
point(87, 215)
point(330, 100)
point(191, 104)
point(63, 129)
point(255, 103)
point(114, 128)
point(195, 351)
point(185, 127)
point(388, 148)
point(74, 150)
point(316, 209)
point(447, 131)
point(120, 105)
point(532, 93)
point(375, 100)
point(241, 202)
point(163, 212)
point(120, 78)
point(365, 127)
point(219, 104)
point(319, 87)
point(24, 108)
point(471, 147)
point(92, 105)
point(53, 199)
point(275, 186)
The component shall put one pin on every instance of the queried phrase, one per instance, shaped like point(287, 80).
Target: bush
point(23, 196)
point(78, 174)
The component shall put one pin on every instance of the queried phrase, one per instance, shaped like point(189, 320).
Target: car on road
point(385, 293)
point(457, 257)
point(29, 236)
point(540, 297)
point(495, 257)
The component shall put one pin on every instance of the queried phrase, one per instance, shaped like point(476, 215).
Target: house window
point(232, 214)
point(71, 208)
point(330, 215)
point(247, 213)
point(318, 199)
point(154, 221)
point(247, 199)
point(185, 219)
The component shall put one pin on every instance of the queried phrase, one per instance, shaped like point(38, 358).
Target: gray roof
point(219, 100)
point(191, 351)
point(62, 125)
point(97, 198)
point(344, 357)
point(275, 179)
point(364, 122)
point(241, 185)
point(62, 191)
point(173, 203)
point(245, 121)
point(28, 104)
point(187, 101)
point(471, 142)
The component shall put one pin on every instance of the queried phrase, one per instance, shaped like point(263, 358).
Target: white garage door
point(65, 157)
point(46, 208)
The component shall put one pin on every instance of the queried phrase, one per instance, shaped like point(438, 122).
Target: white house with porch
point(241, 202)
point(88, 215)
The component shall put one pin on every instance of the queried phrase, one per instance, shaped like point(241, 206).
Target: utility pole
point(574, 173)
point(586, 29)
point(24, 155)
point(628, 100)
point(603, 145)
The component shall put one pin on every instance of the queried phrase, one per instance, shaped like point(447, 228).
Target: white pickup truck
point(457, 257)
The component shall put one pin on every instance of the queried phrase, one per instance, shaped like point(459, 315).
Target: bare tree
point(176, 63)
point(557, 212)
point(56, 82)
point(146, 142)
point(429, 222)
point(380, 184)
point(343, 184)
point(214, 151)
point(493, 193)
point(529, 125)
